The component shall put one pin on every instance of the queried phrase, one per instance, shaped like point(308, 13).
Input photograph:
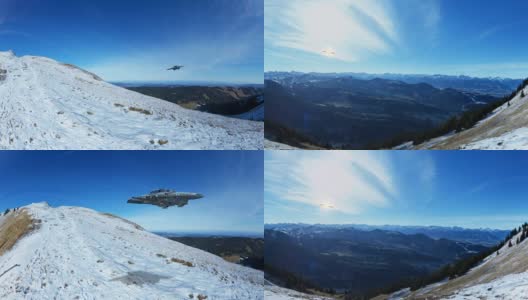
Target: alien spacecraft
point(165, 198)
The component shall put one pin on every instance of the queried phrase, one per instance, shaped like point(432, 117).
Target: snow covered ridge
point(256, 114)
point(273, 292)
point(506, 128)
point(78, 253)
point(501, 275)
point(45, 104)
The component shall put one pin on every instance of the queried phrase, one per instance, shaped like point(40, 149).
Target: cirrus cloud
point(348, 27)
point(345, 181)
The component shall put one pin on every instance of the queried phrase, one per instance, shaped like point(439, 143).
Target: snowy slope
point(256, 114)
point(78, 253)
point(271, 145)
point(273, 292)
point(502, 275)
point(505, 128)
point(45, 104)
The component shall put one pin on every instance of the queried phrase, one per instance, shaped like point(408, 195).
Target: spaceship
point(175, 68)
point(165, 198)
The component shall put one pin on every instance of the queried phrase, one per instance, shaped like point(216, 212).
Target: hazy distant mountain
point(486, 237)
point(495, 86)
point(243, 250)
point(224, 100)
point(358, 260)
point(356, 113)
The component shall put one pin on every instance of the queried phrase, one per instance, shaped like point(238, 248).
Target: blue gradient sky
point(477, 189)
point(216, 40)
point(232, 182)
point(470, 37)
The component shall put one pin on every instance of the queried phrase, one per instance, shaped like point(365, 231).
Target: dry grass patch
point(15, 226)
point(232, 258)
point(189, 105)
point(140, 110)
point(183, 262)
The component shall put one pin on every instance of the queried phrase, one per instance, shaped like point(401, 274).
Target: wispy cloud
point(345, 181)
point(342, 29)
point(427, 174)
point(489, 32)
point(493, 30)
point(430, 13)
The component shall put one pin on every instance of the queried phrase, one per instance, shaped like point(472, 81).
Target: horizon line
point(393, 73)
point(373, 225)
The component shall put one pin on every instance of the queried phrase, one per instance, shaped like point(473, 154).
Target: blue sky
point(476, 189)
point(216, 40)
point(231, 181)
point(471, 37)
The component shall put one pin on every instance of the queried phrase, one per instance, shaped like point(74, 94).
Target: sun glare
point(326, 206)
point(328, 52)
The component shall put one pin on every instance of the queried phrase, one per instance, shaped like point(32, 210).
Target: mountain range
point(223, 100)
point(482, 236)
point(495, 86)
point(355, 261)
point(346, 112)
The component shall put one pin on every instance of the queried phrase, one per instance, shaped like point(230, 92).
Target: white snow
point(510, 287)
point(505, 128)
point(256, 114)
point(273, 292)
point(78, 253)
point(512, 140)
point(45, 104)
point(404, 146)
point(271, 145)
point(501, 275)
point(400, 294)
